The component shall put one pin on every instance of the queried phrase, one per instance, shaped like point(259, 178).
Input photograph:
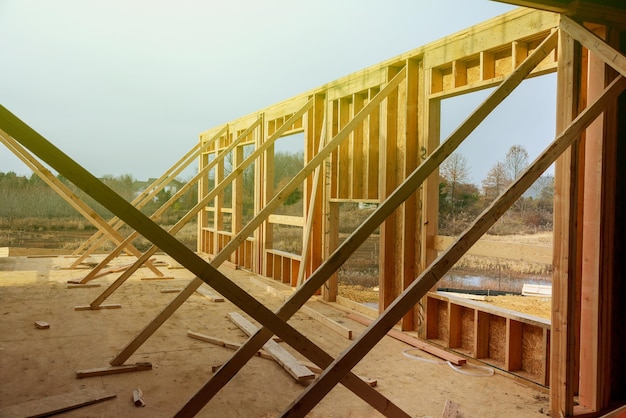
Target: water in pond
point(505, 284)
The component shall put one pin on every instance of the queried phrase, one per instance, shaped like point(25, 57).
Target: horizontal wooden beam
point(492, 34)
point(286, 220)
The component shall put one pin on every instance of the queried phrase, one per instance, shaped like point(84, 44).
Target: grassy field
point(69, 234)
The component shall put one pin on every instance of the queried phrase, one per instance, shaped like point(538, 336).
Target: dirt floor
point(38, 363)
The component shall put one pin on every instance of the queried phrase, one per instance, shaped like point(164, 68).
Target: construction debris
point(55, 404)
point(138, 398)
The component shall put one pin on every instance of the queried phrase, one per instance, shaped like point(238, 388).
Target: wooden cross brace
point(134, 218)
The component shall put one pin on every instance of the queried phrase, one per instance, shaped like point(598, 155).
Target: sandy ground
point(37, 363)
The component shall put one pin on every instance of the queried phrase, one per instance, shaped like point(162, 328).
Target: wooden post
point(267, 181)
point(513, 355)
point(592, 245)
point(566, 249)
point(330, 289)
point(411, 226)
point(259, 169)
point(387, 274)
point(481, 334)
point(330, 225)
point(429, 141)
point(203, 217)
point(312, 245)
point(313, 211)
point(358, 171)
point(237, 203)
point(344, 168)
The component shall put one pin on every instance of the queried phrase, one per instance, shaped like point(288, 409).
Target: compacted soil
point(40, 363)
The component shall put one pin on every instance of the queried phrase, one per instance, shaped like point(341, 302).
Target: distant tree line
point(24, 197)
point(461, 201)
point(30, 197)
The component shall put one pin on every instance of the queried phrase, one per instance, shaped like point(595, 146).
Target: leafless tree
point(496, 181)
point(516, 161)
point(454, 170)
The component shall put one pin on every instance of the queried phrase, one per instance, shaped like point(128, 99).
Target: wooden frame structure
point(374, 137)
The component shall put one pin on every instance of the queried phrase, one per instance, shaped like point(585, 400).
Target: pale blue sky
point(127, 86)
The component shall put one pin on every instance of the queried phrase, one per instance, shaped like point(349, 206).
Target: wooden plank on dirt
point(91, 308)
point(223, 343)
point(83, 285)
point(158, 278)
point(464, 295)
point(422, 345)
point(289, 362)
point(42, 325)
point(102, 371)
point(334, 325)
point(260, 353)
point(204, 291)
point(56, 404)
point(172, 290)
point(328, 322)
